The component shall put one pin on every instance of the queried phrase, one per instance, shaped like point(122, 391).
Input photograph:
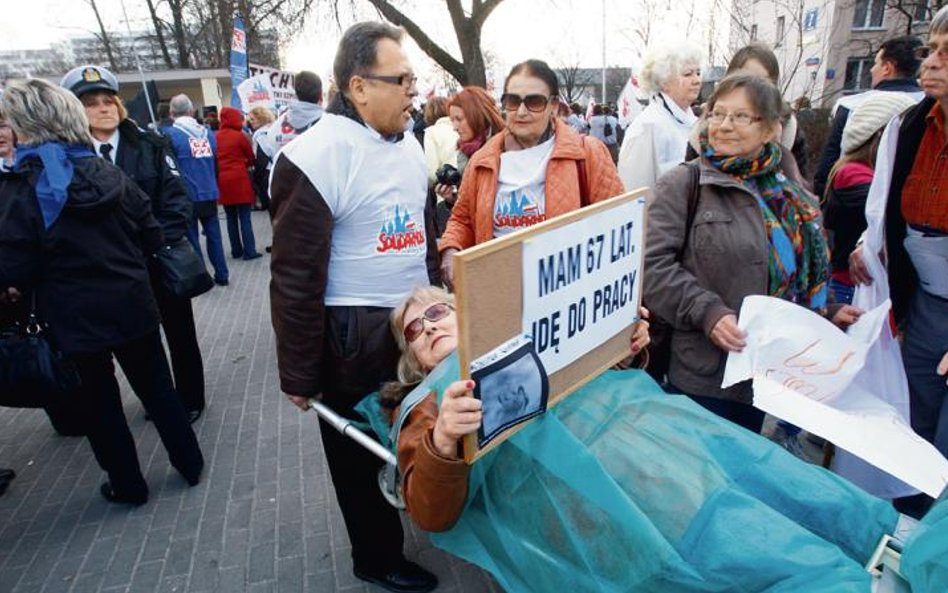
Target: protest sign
point(571, 284)
point(281, 83)
point(256, 92)
point(805, 370)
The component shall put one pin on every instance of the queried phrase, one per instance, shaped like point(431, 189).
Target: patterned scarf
point(799, 254)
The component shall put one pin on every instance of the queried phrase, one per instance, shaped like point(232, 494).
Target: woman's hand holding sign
point(460, 415)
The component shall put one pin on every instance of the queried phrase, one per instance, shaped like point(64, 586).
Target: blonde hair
point(410, 371)
point(262, 115)
point(40, 112)
point(115, 99)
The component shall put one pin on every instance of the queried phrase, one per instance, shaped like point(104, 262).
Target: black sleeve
point(831, 151)
point(137, 207)
point(299, 269)
point(261, 176)
point(174, 208)
point(21, 231)
point(432, 257)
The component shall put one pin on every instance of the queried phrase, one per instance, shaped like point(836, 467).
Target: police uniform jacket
point(147, 160)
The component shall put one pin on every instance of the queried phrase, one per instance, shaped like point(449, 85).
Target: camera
point(448, 175)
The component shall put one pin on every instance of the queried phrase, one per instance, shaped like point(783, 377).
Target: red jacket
point(234, 158)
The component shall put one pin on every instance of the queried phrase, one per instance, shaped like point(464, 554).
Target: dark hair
point(308, 87)
point(479, 109)
point(358, 50)
point(435, 109)
point(597, 109)
point(763, 95)
point(576, 108)
point(759, 52)
point(901, 52)
point(537, 69)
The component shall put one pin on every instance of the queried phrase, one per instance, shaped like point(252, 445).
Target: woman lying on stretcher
point(621, 487)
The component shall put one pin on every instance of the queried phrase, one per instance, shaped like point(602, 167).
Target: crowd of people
point(365, 216)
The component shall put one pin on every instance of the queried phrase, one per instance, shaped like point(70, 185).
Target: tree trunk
point(104, 36)
point(178, 28)
point(160, 34)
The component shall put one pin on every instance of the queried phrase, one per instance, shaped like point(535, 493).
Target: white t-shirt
point(521, 188)
point(376, 191)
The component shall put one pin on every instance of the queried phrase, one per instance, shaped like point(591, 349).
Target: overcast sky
point(563, 32)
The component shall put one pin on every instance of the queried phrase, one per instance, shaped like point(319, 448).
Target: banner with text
point(582, 283)
point(281, 84)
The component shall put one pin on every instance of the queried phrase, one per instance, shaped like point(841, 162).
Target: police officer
point(146, 158)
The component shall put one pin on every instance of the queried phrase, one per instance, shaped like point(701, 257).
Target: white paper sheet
point(804, 370)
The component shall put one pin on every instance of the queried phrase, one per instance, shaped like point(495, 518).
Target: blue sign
point(813, 61)
point(810, 19)
point(239, 70)
point(830, 73)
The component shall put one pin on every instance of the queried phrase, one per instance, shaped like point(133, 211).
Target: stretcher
point(624, 488)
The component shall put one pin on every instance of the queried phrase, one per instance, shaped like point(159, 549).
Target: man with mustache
point(349, 244)
point(916, 245)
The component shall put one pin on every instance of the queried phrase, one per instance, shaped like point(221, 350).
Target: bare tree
point(573, 80)
point(103, 35)
point(158, 24)
point(915, 11)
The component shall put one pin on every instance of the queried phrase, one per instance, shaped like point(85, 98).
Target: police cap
point(83, 79)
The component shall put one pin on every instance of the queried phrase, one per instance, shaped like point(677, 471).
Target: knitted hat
point(872, 115)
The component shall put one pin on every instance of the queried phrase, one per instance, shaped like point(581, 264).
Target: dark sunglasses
point(406, 81)
point(534, 103)
point(435, 312)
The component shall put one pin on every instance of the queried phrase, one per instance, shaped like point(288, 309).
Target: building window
point(753, 33)
point(921, 14)
point(858, 75)
point(869, 14)
point(781, 29)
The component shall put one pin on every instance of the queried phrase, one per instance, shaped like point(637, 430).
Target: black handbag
point(183, 274)
point(33, 374)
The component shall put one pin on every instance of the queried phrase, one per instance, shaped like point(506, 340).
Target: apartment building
point(826, 47)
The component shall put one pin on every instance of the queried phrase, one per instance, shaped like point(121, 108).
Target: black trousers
point(100, 409)
point(187, 364)
point(360, 354)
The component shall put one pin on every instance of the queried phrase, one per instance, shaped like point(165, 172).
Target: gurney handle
point(347, 428)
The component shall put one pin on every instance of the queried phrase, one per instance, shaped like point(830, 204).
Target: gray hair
point(40, 112)
point(939, 24)
point(180, 105)
point(661, 64)
point(358, 50)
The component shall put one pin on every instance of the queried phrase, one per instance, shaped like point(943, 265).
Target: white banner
point(256, 92)
point(581, 283)
point(281, 82)
point(806, 371)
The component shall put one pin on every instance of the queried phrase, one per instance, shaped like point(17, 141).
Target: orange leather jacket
point(434, 487)
point(471, 219)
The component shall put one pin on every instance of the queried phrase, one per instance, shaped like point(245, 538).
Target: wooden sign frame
point(498, 309)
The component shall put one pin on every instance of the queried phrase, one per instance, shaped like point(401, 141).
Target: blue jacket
point(196, 150)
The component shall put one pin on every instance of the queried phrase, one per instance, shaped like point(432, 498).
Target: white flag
point(629, 107)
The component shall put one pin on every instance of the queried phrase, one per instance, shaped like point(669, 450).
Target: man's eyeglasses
point(534, 103)
point(922, 52)
point(435, 312)
point(739, 119)
point(406, 81)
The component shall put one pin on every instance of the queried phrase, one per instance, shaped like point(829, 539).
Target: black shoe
point(236, 254)
point(6, 476)
point(253, 256)
point(193, 415)
point(220, 282)
point(268, 248)
point(110, 495)
point(407, 577)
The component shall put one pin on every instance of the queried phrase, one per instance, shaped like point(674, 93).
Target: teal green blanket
point(624, 488)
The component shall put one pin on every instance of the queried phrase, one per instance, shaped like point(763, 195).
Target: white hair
point(180, 105)
point(663, 63)
point(939, 22)
point(40, 112)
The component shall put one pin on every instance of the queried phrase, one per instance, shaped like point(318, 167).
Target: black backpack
point(607, 129)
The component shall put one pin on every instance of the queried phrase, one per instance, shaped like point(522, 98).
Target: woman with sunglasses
point(636, 495)
point(733, 223)
point(537, 168)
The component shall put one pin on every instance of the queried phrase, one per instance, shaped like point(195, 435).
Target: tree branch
point(439, 55)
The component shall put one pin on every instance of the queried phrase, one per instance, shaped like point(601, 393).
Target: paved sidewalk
point(264, 518)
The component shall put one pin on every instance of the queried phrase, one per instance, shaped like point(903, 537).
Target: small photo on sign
point(512, 389)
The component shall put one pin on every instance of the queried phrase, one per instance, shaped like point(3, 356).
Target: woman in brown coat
point(751, 230)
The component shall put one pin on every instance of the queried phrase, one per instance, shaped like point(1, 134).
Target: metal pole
point(138, 62)
point(603, 52)
point(347, 428)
